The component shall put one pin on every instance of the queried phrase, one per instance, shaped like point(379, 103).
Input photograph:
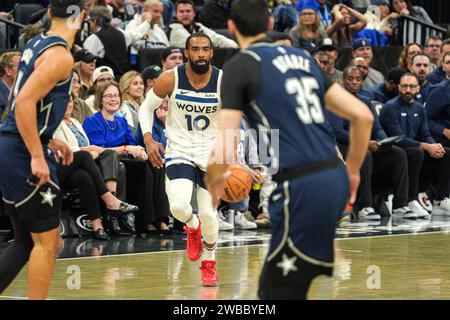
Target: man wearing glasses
point(405, 115)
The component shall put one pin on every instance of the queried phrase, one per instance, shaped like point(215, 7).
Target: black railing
point(413, 30)
point(12, 33)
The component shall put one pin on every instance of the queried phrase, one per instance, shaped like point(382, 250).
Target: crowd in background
point(411, 101)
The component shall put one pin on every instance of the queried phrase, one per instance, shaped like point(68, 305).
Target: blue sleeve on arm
point(337, 125)
point(95, 132)
point(434, 108)
point(424, 131)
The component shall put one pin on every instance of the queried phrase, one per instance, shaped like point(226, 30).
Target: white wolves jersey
point(192, 119)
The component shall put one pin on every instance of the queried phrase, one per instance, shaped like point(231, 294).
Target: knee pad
point(179, 193)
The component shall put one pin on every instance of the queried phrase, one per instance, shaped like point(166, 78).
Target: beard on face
point(200, 68)
point(408, 97)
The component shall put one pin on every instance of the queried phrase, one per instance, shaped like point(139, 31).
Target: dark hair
point(349, 69)
point(250, 16)
point(319, 53)
point(279, 36)
point(197, 35)
point(394, 74)
point(184, 2)
point(404, 54)
point(409, 6)
point(63, 8)
point(409, 74)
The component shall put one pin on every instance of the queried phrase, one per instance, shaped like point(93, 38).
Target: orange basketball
point(238, 184)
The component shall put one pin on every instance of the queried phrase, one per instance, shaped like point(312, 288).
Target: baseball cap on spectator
point(362, 42)
point(307, 4)
point(151, 72)
point(327, 44)
point(101, 71)
point(169, 51)
point(380, 2)
point(83, 55)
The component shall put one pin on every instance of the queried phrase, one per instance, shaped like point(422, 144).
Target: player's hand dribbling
point(214, 179)
point(39, 168)
point(61, 151)
point(152, 147)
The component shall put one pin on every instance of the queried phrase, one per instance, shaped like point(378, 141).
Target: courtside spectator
point(101, 75)
point(108, 44)
point(405, 60)
point(145, 29)
point(405, 8)
point(345, 30)
point(85, 63)
point(80, 109)
point(421, 67)
point(439, 74)
point(438, 107)
point(329, 48)
point(406, 116)
point(9, 63)
point(170, 58)
point(379, 159)
point(362, 48)
point(388, 89)
point(433, 50)
point(184, 25)
point(308, 33)
point(132, 88)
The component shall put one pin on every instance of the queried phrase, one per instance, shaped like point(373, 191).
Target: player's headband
point(65, 9)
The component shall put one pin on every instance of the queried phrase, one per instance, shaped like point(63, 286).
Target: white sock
point(209, 253)
point(193, 223)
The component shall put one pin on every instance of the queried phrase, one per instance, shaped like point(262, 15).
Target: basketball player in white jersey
point(191, 129)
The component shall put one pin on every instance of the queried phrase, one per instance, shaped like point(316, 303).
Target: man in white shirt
point(145, 28)
point(184, 26)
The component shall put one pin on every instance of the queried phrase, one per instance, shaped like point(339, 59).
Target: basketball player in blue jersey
point(191, 129)
point(281, 87)
point(28, 179)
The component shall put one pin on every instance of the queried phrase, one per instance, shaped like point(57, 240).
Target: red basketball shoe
point(209, 275)
point(194, 245)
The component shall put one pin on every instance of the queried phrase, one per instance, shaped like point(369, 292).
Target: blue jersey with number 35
point(291, 99)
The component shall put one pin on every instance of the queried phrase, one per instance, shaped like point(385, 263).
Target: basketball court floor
point(391, 259)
